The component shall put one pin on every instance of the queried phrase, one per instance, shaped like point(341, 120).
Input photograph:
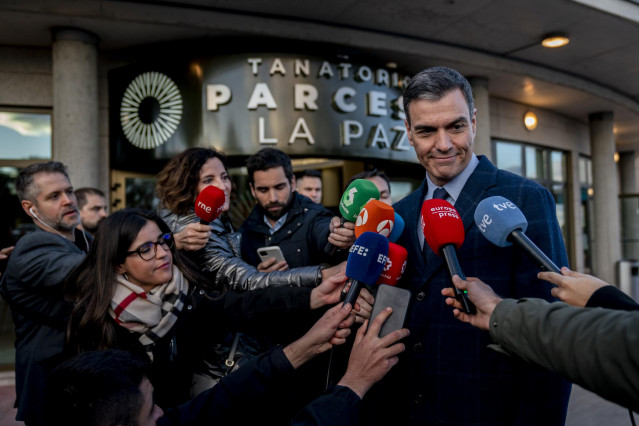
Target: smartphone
point(269, 252)
point(396, 298)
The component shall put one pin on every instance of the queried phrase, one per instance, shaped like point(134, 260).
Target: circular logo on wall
point(151, 110)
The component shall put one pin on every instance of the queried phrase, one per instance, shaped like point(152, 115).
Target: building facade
point(113, 89)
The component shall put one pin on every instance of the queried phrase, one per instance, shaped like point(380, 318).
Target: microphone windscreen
point(209, 203)
point(398, 228)
point(367, 257)
point(358, 193)
point(441, 224)
point(395, 265)
point(375, 216)
point(497, 217)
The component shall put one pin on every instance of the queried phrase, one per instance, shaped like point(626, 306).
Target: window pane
point(535, 163)
point(509, 157)
point(557, 166)
point(583, 173)
point(559, 193)
point(25, 136)
point(531, 163)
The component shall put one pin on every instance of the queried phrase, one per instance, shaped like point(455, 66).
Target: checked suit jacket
point(448, 375)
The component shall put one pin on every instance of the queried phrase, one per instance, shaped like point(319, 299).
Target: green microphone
point(358, 193)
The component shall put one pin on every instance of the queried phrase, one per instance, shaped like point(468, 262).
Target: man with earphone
point(33, 282)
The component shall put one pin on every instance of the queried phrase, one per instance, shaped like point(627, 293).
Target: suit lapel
point(482, 178)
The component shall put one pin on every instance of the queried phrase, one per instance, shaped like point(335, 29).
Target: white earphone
point(35, 215)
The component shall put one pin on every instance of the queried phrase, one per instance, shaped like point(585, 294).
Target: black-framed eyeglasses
point(148, 250)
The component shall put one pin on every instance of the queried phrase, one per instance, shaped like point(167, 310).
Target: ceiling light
point(530, 121)
point(555, 40)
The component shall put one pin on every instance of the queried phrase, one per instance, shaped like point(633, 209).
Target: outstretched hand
point(363, 305)
point(5, 252)
point(328, 292)
point(482, 296)
point(331, 329)
point(372, 357)
point(342, 235)
point(573, 287)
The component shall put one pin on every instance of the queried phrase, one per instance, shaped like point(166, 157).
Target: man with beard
point(284, 218)
point(93, 208)
point(33, 282)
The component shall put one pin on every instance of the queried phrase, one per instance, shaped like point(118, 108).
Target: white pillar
point(482, 104)
point(606, 233)
point(75, 104)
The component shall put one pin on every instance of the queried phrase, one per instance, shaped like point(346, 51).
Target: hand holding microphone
point(358, 193)
point(502, 223)
point(444, 233)
point(208, 206)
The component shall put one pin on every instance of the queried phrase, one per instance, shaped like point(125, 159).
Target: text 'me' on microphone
point(502, 223)
point(375, 216)
point(444, 234)
point(356, 195)
point(209, 204)
point(395, 265)
point(366, 260)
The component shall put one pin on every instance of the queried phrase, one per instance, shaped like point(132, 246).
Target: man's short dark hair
point(433, 84)
point(268, 158)
point(24, 182)
point(369, 174)
point(99, 388)
point(81, 195)
point(309, 173)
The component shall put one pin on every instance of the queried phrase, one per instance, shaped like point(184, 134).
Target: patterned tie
point(439, 194)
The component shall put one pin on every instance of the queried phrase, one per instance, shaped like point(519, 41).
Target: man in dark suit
point(448, 374)
point(33, 283)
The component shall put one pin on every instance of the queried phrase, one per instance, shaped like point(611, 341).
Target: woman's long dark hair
point(92, 284)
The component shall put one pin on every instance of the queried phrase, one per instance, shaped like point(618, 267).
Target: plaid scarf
point(151, 315)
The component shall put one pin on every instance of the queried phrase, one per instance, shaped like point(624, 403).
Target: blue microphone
point(502, 223)
point(366, 259)
point(398, 228)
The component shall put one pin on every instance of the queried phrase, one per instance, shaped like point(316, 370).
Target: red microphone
point(444, 233)
point(209, 203)
point(395, 265)
point(375, 216)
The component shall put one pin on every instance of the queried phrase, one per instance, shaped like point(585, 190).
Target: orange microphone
point(375, 216)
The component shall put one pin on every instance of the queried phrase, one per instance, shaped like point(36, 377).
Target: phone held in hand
point(396, 298)
point(269, 252)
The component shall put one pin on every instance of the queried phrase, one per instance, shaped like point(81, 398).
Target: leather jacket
point(222, 258)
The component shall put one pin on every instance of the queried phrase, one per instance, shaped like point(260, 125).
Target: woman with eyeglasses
point(216, 248)
point(135, 292)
